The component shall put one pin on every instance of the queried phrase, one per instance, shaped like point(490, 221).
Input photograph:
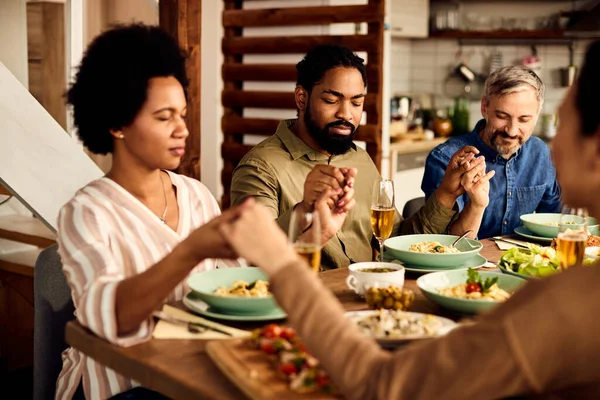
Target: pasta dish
point(476, 289)
point(494, 293)
point(394, 324)
point(432, 247)
point(244, 289)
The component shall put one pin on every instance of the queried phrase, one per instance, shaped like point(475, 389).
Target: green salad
point(536, 261)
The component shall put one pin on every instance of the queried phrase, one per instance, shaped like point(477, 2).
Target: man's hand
point(477, 185)
point(321, 178)
point(332, 219)
point(461, 162)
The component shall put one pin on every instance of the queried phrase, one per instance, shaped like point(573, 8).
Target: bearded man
point(312, 163)
point(525, 178)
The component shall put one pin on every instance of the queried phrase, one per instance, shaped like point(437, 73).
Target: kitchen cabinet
point(409, 18)
point(407, 174)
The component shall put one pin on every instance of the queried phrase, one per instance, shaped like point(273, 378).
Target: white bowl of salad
point(534, 262)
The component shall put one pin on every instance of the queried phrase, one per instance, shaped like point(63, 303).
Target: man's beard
point(332, 143)
point(504, 149)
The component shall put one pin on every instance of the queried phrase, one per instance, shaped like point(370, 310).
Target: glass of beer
point(382, 211)
point(305, 235)
point(572, 237)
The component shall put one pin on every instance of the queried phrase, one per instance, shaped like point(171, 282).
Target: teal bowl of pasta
point(449, 289)
point(235, 291)
point(433, 251)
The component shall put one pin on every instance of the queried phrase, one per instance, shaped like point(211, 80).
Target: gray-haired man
point(525, 178)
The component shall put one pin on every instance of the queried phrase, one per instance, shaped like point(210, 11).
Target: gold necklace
point(164, 214)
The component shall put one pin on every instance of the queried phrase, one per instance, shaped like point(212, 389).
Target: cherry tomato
point(288, 369)
point(271, 331)
point(473, 287)
point(323, 380)
point(287, 333)
point(268, 347)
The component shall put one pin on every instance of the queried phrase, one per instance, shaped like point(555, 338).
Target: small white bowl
point(592, 252)
point(360, 278)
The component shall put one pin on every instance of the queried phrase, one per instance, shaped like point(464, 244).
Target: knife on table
point(178, 321)
point(511, 241)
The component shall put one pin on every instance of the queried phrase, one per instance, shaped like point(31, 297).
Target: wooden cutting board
point(253, 373)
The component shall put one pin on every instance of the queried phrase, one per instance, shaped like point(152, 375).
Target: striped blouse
point(105, 235)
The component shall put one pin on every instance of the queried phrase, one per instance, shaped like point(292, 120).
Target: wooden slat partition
point(234, 46)
point(300, 16)
point(293, 44)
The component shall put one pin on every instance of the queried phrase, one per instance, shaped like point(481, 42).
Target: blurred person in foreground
point(542, 342)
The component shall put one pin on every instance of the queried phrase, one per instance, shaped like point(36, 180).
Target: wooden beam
point(235, 125)
point(375, 81)
point(275, 100)
point(293, 44)
point(182, 19)
point(230, 59)
point(234, 151)
point(301, 16)
point(259, 72)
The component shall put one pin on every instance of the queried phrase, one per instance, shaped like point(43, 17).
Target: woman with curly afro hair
point(128, 240)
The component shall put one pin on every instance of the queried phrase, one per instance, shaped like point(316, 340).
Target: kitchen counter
point(415, 146)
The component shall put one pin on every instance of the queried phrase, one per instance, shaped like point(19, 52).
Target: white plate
point(592, 252)
point(446, 325)
point(200, 307)
point(475, 262)
point(526, 233)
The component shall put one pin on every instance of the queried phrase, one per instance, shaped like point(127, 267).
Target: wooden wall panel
point(293, 44)
point(299, 16)
point(235, 72)
point(182, 19)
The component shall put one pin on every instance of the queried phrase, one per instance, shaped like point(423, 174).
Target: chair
point(53, 309)
point(412, 206)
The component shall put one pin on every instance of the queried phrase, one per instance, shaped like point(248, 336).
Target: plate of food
point(526, 233)
point(237, 291)
point(546, 225)
point(534, 262)
point(198, 306)
point(393, 327)
point(468, 291)
point(273, 364)
point(432, 251)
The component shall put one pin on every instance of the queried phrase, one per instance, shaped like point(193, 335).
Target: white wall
point(13, 54)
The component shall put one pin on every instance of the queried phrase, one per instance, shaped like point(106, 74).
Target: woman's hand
point(255, 236)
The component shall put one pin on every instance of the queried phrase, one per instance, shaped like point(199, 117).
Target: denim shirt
point(523, 184)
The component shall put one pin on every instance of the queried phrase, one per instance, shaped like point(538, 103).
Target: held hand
point(450, 188)
point(477, 185)
point(255, 236)
point(321, 178)
point(332, 218)
point(207, 241)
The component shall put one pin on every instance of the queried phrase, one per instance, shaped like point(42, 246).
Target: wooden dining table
point(181, 368)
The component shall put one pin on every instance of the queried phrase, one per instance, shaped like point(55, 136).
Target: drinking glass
point(305, 235)
point(382, 210)
point(572, 236)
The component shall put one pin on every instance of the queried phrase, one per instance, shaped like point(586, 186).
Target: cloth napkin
point(504, 245)
point(168, 330)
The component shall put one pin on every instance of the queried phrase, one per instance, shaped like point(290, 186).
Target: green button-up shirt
point(274, 171)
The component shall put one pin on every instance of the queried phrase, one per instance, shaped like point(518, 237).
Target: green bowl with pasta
point(235, 291)
point(449, 289)
point(432, 251)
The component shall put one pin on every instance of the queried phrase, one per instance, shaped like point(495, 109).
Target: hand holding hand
point(477, 183)
point(321, 178)
point(255, 236)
